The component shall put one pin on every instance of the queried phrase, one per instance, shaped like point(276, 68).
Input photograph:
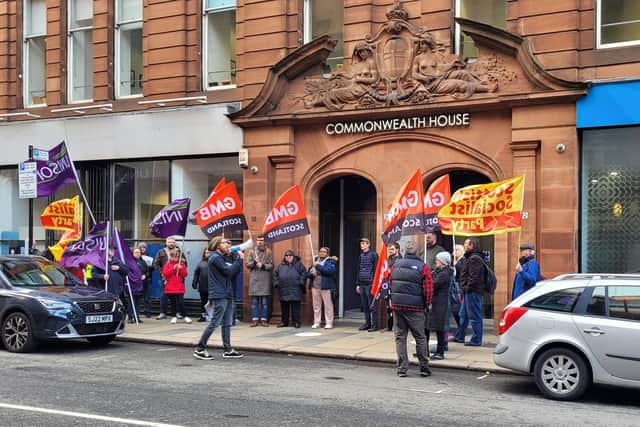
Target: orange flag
point(287, 219)
point(405, 215)
point(222, 211)
point(438, 195)
point(484, 209)
point(62, 214)
point(382, 272)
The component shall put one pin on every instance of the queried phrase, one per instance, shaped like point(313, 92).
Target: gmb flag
point(405, 216)
point(221, 212)
point(484, 209)
point(287, 219)
point(381, 276)
point(438, 195)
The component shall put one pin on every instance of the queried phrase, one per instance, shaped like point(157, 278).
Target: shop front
point(352, 137)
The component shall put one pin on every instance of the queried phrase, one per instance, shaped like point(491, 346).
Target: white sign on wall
point(27, 180)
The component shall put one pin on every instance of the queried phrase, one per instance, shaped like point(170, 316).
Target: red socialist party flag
point(287, 219)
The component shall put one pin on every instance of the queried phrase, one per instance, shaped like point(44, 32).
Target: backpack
point(490, 281)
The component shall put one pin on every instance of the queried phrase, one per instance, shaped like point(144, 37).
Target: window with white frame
point(618, 23)
point(80, 51)
point(325, 17)
point(35, 30)
point(128, 48)
point(219, 40)
point(492, 12)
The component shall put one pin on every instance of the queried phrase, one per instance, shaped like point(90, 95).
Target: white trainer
point(187, 319)
point(315, 326)
point(173, 321)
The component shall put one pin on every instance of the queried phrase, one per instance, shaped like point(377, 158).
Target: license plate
point(100, 318)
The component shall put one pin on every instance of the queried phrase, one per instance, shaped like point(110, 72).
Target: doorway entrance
point(347, 213)
point(458, 180)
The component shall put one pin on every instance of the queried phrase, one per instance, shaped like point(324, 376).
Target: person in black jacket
point(201, 283)
point(114, 275)
point(289, 278)
point(365, 271)
point(472, 278)
point(439, 313)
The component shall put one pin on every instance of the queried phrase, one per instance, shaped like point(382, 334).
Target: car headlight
point(54, 305)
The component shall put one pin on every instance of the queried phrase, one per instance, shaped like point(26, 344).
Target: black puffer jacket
point(472, 274)
point(289, 279)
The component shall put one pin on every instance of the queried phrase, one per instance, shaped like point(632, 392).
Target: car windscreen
point(35, 273)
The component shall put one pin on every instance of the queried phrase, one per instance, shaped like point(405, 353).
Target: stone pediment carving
point(405, 66)
point(400, 65)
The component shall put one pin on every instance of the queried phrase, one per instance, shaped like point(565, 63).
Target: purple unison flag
point(55, 173)
point(122, 248)
point(92, 250)
point(172, 219)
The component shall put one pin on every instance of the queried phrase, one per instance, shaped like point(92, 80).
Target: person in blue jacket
point(322, 281)
point(527, 271)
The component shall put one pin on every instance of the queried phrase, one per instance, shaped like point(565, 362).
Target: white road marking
point(425, 391)
point(102, 358)
point(86, 416)
point(166, 349)
point(483, 377)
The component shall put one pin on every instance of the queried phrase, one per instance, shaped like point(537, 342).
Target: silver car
point(574, 330)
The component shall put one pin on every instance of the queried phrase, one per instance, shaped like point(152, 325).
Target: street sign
point(39, 154)
point(27, 180)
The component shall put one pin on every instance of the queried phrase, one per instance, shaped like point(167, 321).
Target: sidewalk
point(344, 341)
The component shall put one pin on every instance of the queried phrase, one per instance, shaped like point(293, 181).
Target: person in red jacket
point(175, 273)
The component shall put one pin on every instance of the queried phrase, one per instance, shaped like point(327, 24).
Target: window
point(597, 305)
point(610, 200)
point(564, 300)
point(618, 23)
point(325, 17)
point(219, 43)
point(128, 48)
point(624, 302)
point(492, 12)
point(80, 44)
point(35, 30)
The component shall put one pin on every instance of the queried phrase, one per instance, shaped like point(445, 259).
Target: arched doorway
point(347, 213)
point(460, 179)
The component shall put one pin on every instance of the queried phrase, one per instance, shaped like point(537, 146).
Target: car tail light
point(509, 317)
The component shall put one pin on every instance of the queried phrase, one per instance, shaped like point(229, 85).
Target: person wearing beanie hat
point(527, 271)
point(439, 312)
point(223, 266)
point(411, 292)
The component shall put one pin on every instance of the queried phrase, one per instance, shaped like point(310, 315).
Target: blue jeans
point(222, 315)
point(370, 306)
point(163, 299)
point(471, 312)
point(254, 308)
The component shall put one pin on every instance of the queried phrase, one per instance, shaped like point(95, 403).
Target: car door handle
point(594, 331)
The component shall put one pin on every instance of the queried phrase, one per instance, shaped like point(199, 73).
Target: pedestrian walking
point(175, 272)
point(260, 264)
point(200, 283)
point(439, 311)
point(322, 282)
point(366, 268)
point(411, 293)
point(471, 282)
point(289, 278)
point(221, 285)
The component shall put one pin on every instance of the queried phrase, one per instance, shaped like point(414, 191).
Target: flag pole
point(106, 254)
point(75, 173)
point(126, 278)
point(313, 255)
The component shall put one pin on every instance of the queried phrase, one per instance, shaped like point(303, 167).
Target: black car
point(40, 301)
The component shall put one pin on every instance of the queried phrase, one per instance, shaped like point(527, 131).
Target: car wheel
point(103, 340)
point(561, 374)
point(17, 334)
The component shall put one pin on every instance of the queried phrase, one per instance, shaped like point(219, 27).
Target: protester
point(114, 275)
point(162, 257)
point(433, 248)
point(201, 283)
point(471, 282)
point(367, 262)
point(289, 279)
point(260, 265)
point(527, 271)
point(147, 280)
point(137, 288)
point(411, 294)
point(322, 282)
point(393, 254)
point(439, 312)
point(174, 272)
point(220, 297)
